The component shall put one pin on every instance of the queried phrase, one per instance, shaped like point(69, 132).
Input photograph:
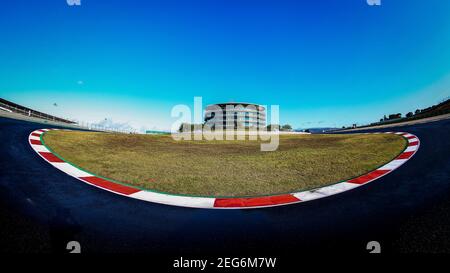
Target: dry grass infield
point(225, 168)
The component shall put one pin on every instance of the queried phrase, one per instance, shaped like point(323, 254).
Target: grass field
point(225, 168)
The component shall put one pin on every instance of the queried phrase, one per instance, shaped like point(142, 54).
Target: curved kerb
point(35, 140)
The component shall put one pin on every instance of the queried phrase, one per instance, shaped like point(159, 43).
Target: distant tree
point(385, 118)
point(190, 127)
point(196, 127)
point(271, 127)
point(395, 116)
point(410, 114)
point(381, 120)
point(286, 127)
point(417, 111)
point(185, 127)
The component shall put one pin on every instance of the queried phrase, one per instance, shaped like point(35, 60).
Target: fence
point(98, 127)
point(14, 110)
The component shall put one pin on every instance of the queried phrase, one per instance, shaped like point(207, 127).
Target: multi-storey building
point(235, 115)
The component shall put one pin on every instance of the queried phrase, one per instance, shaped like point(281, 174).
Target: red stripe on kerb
point(255, 201)
point(410, 137)
point(414, 143)
point(109, 185)
point(405, 155)
point(368, 177)
point(50, 157)
point(35, 134)
point(35, 142)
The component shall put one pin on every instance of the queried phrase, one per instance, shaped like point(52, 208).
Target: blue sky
point(325, 62)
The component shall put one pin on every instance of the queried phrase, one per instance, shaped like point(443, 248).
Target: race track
point(42, 209)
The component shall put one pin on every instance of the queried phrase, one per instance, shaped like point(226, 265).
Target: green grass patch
point(225, 168)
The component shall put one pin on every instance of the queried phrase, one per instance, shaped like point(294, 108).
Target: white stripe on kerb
point(411, 148)
point(35, 137)
point(38, 132)
point(393, 164)
point(412, 140)
point(39, 148)
point(71, 170)
point(325, 191)
point(185, 201)
point(337, 188)
point(307, 195)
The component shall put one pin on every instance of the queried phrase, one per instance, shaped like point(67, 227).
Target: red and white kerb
point(223, 203)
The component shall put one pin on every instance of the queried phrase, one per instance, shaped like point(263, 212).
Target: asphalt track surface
point(42, 208)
